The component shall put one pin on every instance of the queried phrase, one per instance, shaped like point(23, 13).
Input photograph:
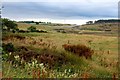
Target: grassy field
point(103, 64)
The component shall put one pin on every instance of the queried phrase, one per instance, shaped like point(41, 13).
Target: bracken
point(80, 50)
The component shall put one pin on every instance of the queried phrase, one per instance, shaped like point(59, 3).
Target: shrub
point(47, 58)
point(22, 55)
point(10, 25)
point(7, 52)
point(23, 31)
point(8, 47)
point(32, 29)
point(80, 50)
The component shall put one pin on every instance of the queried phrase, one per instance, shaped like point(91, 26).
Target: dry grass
point(104, 60)
point(80, 50)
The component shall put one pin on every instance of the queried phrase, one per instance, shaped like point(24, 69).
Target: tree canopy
point(9, 25)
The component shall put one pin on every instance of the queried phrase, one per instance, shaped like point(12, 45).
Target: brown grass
point(80, 50)
point(0, 74)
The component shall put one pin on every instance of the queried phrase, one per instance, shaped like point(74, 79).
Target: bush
point(80, 50)
point(22, 55)
point(32, 29)
point(45, 57)
point(8, 47)
point(23, 31)
point(9, 25)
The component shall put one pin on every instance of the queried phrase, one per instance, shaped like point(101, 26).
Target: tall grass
point(76, 67)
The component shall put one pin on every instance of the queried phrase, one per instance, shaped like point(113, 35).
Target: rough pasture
point(48, 49)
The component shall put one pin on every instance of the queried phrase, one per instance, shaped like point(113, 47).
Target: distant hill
point(100, 27)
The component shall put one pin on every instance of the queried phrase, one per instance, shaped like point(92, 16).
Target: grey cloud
point(58, 10)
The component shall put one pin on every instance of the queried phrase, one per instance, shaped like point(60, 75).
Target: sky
point(60, 11)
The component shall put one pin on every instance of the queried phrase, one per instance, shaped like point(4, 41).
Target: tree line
point(11, 26)
point(104, 21)
point(34, 22)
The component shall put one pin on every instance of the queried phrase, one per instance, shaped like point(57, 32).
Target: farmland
point(58, 62)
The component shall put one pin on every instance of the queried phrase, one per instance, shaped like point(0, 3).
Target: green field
point(103, 64)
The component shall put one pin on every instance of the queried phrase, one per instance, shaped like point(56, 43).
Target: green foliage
point(8, 47)
point(107, 21)
point(35, 70)
point(37, 23)
point(9, 25)
point(32, 29)
point(76, 67)
point(26, 55)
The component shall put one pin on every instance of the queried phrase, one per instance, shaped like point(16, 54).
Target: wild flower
point(10, 53)
point(16, 57)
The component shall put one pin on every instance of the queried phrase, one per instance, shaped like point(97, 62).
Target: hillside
point(62, 52)
point(100, 27)
point(107, 29)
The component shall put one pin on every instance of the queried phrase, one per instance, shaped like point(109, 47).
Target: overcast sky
point(58, 10)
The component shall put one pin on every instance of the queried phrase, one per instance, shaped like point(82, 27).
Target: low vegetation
point(80, 50)
point(58, 55)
